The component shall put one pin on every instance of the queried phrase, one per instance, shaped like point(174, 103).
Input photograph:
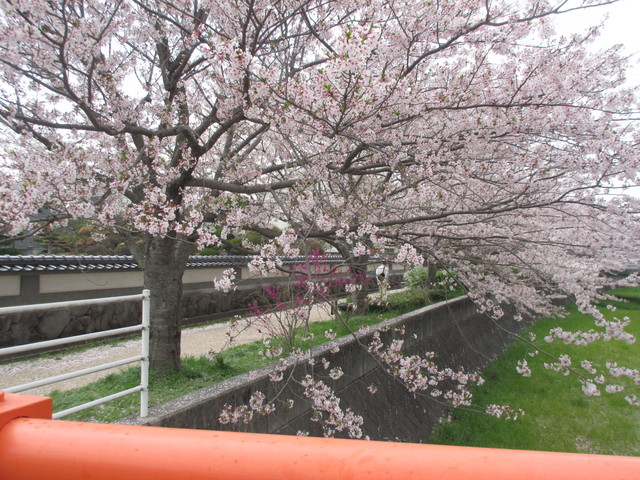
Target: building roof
point(85, 263)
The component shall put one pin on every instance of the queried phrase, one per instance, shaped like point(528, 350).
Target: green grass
point(196, 373)
point(559, 417)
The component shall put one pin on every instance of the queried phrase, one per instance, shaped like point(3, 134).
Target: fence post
point(144, 367)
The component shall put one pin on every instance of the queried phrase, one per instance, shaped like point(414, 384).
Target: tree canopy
point(465, 133)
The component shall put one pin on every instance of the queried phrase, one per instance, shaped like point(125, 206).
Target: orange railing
point(34, 447)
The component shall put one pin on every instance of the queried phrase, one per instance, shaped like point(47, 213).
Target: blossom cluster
point(409, 255)
point(245, 413)
point(504, 411)
point(613, 330)
point(422, 374)
point(326, 407)
point(225, 283)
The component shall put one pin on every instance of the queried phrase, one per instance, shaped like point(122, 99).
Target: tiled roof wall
point(70, 263)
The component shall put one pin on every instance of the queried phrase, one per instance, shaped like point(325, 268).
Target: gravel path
point(196, 341)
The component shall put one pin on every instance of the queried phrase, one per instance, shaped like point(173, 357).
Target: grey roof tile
point(70, 263)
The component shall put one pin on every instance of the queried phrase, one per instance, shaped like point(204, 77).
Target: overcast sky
point(622, 26)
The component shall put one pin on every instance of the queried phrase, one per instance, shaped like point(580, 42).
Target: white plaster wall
point(72, 282)
point(9, 286)
point(202, 275)
point(246, 274)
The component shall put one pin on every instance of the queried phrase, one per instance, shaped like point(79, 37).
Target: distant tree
point(80, 237)
point(9, 251)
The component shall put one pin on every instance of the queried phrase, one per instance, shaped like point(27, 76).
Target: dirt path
point(196, 341)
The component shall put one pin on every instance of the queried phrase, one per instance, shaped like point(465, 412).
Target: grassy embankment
point(559, 417)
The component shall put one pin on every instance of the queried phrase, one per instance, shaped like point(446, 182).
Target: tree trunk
point(359, 276)
point(432, 269)
point(164, 266)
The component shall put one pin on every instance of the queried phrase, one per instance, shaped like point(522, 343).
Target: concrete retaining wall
point(452, 329)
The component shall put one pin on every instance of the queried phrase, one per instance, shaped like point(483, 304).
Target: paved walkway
point(196, 341)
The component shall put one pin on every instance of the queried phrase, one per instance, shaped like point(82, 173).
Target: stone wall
point(452, 329)
point(30, 327)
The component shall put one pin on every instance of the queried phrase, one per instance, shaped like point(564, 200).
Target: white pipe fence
point(143, 358)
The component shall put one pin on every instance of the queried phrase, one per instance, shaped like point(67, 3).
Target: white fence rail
point(143, 358)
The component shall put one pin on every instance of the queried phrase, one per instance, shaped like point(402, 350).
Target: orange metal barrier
point(36, 448)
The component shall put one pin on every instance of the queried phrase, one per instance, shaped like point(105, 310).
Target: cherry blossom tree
point(461, 132)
